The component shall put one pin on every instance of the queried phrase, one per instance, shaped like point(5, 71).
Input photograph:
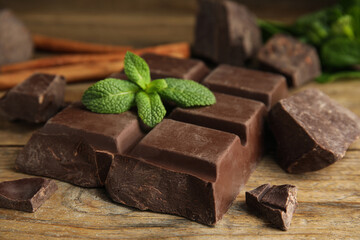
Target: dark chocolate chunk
point(35, 100)
point(226, 32)
point(261, 86)
point(165, 67)
point(276, 203)
point(15, 40)
point(298, 61)
point(26, 194)
point(77, 146)
point(312, 131)
point(181, 169)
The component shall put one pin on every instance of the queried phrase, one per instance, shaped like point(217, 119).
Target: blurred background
point(136, 22)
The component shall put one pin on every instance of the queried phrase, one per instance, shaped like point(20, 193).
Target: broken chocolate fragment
point(226, 32)
point(298, 61)
point(35, 100)
point(182, 169)
point(166, 67)
point(15, 40)
point(276, 203)
point(265, 87)
point(312, 131)
point(26, 194)
point(77, 146)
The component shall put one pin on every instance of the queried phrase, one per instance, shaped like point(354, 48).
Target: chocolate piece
point(15, 40)
point(77, 146)
point(181, 169)
point(261, 86)
point(276, 203)
point(26, 194)
point(226, 32)
point(35, 100)
point(298, 61)
point(312, 131)
point(165, 67)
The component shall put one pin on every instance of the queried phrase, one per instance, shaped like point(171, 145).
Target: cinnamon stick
point(180, 50)
point(91, 70)
point(53, 44)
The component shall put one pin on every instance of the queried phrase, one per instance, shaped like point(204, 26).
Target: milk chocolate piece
point(35, 100)
point(181, 169)
point(276, 203)
point(165, 67)
point(298, 61)
point(26, 194)
point(226, 32)
point(15, 40)
point(77, 146)
point(265, 87)
point(312, 131)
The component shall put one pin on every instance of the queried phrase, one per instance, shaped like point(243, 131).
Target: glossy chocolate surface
point(166, 67)
point(26, 194)
point(226, 32)
point(312, 131)
point(276, 203)
point(297, 61)
point(265, 87)
point(35, 100)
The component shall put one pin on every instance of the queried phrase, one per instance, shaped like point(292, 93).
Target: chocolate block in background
point(265, 87)
point(298, 61)
point(226, 32)
point(35, 100)
point(26, 194)
point(312, 131)
point(77, 146)
point(182, 169)
point(15, 40)
point(276, 203)
point(165, 67)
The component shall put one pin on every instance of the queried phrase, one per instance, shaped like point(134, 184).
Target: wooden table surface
point(329, 199)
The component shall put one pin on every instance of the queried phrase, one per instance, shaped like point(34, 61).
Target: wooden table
point(329, 199)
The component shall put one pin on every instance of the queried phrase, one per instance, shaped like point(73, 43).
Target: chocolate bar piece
point(35, 100)
point(226, 32)
point(312, 131)
point(165, 67)
point(77, 146)
point(261, 86)
point(26, 194)
point(15, 40)
point(181, 169)
point(276, 203)
point(298, 61)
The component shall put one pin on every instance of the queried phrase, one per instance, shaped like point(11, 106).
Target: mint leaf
point(150, 108)
point(187, 93)
point(330, 77)
point(110, 96)
point(137, 70)
point(156, 86)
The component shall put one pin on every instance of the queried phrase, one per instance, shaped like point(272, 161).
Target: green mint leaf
point(110, 96)
point(330, 77)
point(187, 93)
point(150, 108)
point(156, 86)
point(137, 70)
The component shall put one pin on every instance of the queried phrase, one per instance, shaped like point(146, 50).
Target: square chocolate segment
point(192, 171)
point(165, 67)
point(35, 100)
point(78, 146)
point(298, 61)
point(265, 87)
point(26, 194)
point(312, 131)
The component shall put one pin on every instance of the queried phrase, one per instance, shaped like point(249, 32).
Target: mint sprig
point(116, 96)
